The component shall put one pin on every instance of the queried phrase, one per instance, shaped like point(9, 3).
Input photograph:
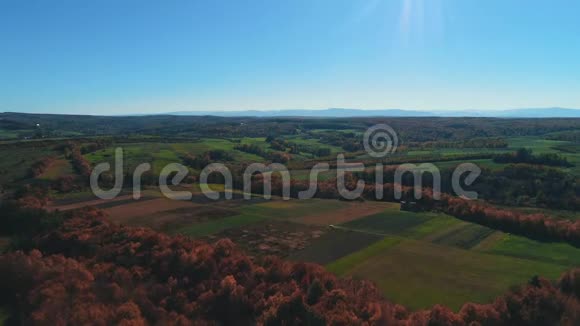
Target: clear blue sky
point(122, 56)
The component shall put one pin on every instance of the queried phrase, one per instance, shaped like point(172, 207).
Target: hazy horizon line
point(209, 111)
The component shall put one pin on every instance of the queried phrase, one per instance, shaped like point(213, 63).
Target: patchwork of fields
point(426, 258)
point(417, 259)
point(160, 154)
point(567, 149)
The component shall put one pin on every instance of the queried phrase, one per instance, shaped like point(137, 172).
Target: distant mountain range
point(346, 113)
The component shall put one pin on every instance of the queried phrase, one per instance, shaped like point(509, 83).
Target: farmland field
point(538, 145)
point(254, 213)
point(515, 246)
point(341, 213)
point(390, 221)
point(16, 162)
point(334, 245)
point(567, 149)
point(465, 237)
point(440, 264)
point(161, 154)
point(9, 134)
point(418, 274)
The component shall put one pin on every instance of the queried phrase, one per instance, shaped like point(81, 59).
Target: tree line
point(492, 142)
point(524, 155)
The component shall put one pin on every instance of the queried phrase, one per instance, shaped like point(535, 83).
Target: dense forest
point(524, 155)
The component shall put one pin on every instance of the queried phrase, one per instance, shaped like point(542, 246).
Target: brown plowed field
point(352, 212)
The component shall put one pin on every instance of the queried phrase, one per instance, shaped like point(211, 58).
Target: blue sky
point(113, 57)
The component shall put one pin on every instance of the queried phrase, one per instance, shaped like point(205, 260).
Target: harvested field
point(124, 213)
point(273, 238)
point(218, 225)
point(170, 220)
point(294, 209)
point(353, 211)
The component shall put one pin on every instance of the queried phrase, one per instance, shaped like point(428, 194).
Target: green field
point(344, 265)
point(516, 246)
point(538, 145)
point(465, 237)
point(567, 149)
point(436, 225)
point(305, 175)
point(483, 163)
point(313, 142)
point(6, 134)
point(297, 208)
point(161, 154)
point(391, 221)
point(419, 274)
point(433, 258)
point(16, 162)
